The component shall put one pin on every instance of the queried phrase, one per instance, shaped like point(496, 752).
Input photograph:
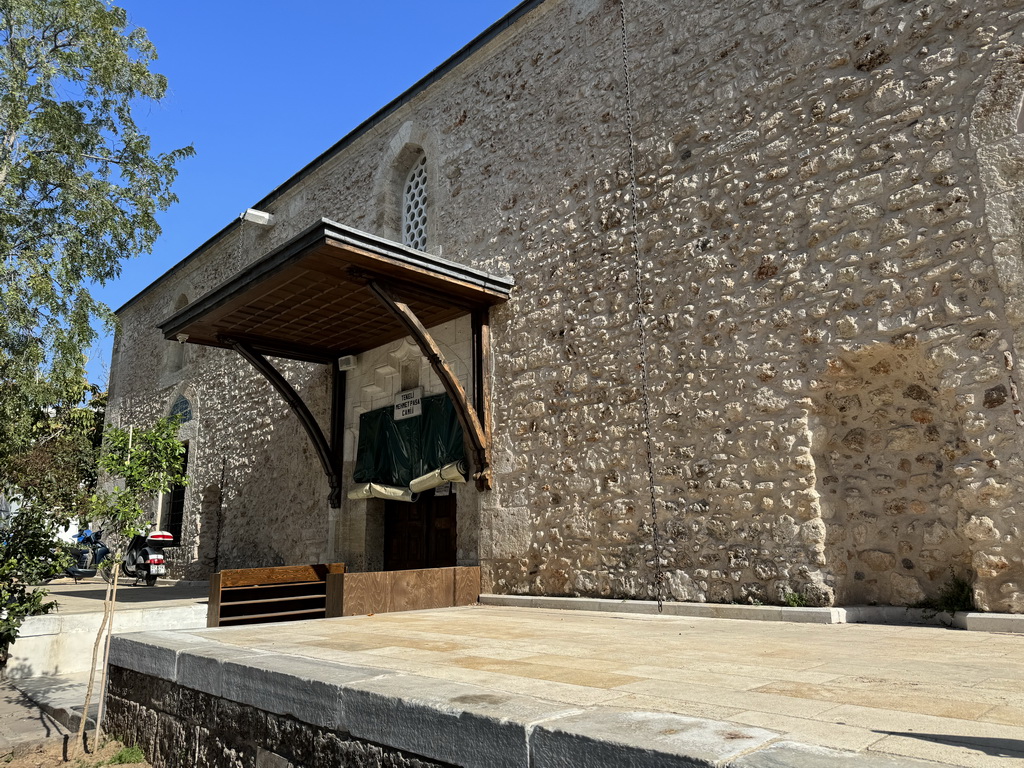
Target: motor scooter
point(144, 560)
point(90, 552)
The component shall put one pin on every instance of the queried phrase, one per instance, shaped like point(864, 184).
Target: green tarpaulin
point(394, 452)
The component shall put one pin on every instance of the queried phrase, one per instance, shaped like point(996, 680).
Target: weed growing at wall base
point(956, 595)
point(796, 600)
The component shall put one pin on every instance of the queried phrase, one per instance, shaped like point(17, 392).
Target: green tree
point(27, 556)
point(53, 483)
point(143, 465)
point(80, 186)
point(58, 472)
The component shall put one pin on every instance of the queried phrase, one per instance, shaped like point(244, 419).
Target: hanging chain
point(641, 325)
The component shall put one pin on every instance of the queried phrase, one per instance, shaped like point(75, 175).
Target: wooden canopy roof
point(310, 299)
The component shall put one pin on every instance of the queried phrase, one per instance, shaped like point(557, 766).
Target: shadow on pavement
point(990, 746)
point(127, 592)
point(124, 594)
point(22, 720)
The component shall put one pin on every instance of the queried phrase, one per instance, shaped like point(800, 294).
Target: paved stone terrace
point(87, 595)
point(944, 695)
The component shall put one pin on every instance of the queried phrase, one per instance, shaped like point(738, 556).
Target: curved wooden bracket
point(323, 449)
point(467, 415)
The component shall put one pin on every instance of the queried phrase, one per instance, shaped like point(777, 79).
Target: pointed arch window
point(414, 206)
point(182, 408)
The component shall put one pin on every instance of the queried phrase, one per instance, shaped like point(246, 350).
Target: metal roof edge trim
point(474, 45)
point(411, 256)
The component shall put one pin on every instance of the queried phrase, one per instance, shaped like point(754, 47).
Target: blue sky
point(260, 89)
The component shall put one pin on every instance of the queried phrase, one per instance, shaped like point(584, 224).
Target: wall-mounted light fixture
point(182, 338)
point(257, 217)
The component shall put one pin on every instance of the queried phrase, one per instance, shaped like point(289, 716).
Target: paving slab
point(153, 653)
point(464, 725)
point(201, 668)
point(308, 690)
point(87, 595)
point(640, 740)
point(23, 725)
point(787, 754)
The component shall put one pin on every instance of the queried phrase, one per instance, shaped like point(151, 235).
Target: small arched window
point(414, 206)
point(182, 408)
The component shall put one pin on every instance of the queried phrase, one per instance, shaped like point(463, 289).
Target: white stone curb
point(858, 614)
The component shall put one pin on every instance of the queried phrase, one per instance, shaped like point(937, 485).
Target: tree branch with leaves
point(80, 184)
point(53, 483)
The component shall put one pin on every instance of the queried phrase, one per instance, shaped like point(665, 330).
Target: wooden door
point(441, 533)
point(421, 534)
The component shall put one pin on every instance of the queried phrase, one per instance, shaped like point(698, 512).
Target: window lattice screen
point(414, 207)
point(182, 408)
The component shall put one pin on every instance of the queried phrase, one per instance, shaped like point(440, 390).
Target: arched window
point(414, 206)
point(182, 408)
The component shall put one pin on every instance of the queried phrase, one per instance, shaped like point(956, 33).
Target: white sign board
point(409, 404)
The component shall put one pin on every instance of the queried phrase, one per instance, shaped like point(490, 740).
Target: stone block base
point(178, 726)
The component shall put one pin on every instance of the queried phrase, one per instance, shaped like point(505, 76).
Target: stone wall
point(827, 274)
point(178, 727)
point(832, 359)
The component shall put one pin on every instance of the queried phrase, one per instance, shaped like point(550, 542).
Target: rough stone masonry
point(829, 208)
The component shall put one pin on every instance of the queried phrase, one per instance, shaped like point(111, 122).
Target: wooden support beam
point(481, 325)
point(331, 466)
point(338, 383)
point(471, 426)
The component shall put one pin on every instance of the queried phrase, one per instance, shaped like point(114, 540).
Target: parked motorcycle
point(87, 555)
point(144, 559)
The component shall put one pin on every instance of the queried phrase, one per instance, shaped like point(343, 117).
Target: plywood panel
point(467, 585)
point(335, 595)
point(419, 589)
point(366, 593)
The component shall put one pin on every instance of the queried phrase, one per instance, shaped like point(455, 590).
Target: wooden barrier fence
point(263, 595)
point(291, 593)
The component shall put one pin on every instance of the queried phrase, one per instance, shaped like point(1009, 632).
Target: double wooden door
point(421, 534)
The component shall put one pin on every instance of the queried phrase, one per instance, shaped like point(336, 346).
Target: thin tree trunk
point(108, 610)
point(106, 657)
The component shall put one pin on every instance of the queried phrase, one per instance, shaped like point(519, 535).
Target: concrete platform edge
point(461, 724)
